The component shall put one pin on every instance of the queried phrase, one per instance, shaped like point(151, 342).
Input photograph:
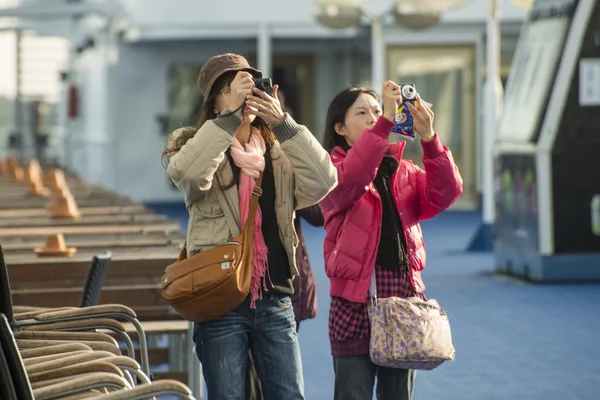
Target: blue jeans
point(269, 331)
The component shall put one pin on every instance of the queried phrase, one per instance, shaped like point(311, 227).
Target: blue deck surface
point(513, 340)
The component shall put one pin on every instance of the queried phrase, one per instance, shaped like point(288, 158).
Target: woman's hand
point(391, 98)
point(268, 108)
point(423, 119)
point(241, 87)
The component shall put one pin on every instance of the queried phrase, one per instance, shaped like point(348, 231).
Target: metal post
point(264, 50)
point(493, 108)
point(377, 53)
point(18, 111)
point(195, 378)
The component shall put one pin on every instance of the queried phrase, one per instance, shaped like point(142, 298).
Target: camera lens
point(409, 92)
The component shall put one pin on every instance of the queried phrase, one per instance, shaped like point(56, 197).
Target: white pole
point(264, 51)
point(377, 53)
point(18, 110)
point(493, 98)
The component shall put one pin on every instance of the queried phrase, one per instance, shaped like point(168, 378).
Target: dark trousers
point(253, 387)
point(355, 380)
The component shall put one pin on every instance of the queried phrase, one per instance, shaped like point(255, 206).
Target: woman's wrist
point(383, 127)
point(432, 148)
point(389, 117)
point(428, 136)
point(280, 119)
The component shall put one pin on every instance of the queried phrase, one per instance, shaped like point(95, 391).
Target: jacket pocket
point(209, 225)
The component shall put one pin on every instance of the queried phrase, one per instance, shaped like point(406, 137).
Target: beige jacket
point(302, 170)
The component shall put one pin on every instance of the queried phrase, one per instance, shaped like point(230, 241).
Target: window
point(444, 76)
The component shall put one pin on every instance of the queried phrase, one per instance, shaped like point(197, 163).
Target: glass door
point(295, 75)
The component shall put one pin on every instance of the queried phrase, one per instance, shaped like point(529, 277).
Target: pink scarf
point(251, 161)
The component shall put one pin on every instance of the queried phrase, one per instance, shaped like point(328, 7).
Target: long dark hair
point(207, 112)
point(336, 114)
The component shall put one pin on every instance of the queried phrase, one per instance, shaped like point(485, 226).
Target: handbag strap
point(256, 193)
point(373, 286)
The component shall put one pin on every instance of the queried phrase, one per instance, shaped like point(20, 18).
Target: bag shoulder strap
point(373, 286)
point(256, 193)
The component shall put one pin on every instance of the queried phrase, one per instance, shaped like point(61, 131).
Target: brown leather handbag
point(213, 282)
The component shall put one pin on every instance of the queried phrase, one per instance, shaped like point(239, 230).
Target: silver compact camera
point(409, 92)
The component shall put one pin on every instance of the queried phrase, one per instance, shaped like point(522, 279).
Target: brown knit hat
point(218, 65)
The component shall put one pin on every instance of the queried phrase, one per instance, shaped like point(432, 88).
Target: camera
point(404, 122)
point(264, 84)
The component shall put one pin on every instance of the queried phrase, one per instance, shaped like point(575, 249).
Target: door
point(295, 75)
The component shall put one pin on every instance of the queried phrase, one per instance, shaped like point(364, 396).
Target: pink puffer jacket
point(353, 209)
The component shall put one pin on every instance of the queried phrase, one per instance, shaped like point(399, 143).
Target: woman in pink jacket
point(372, 223)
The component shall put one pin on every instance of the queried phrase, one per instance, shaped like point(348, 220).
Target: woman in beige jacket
point(242, 132)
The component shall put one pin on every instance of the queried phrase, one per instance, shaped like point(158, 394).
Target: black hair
point(336, 114)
